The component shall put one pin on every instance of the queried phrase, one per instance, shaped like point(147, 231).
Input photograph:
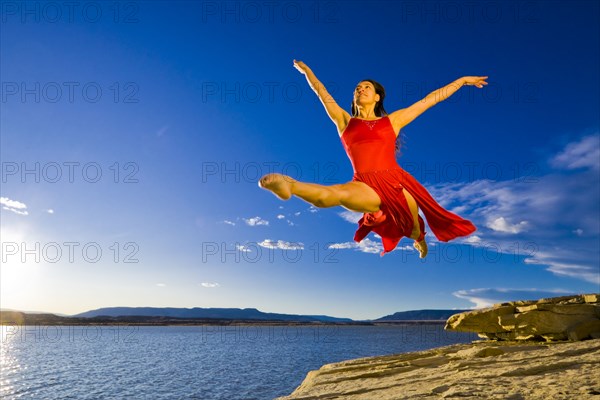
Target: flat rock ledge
point(538, 350)
point(558, 318)
point(481, 370)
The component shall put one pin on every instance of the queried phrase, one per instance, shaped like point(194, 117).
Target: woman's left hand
point(478, 81)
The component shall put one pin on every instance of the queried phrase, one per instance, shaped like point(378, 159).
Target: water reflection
point(10, 368)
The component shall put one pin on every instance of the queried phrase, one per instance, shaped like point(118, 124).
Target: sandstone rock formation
point(482, 370)
point(558, 318)
point(560, 365)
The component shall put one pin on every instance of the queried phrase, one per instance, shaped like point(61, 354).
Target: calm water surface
point(192, 362)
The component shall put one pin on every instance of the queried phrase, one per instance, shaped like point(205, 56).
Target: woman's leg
point(414, 210)
point(355, 196)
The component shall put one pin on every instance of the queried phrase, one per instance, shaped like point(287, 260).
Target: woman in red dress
point(387, 195)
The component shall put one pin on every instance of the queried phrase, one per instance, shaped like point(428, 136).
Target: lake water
point(191, 362)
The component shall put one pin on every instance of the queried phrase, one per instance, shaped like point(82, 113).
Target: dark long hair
point(379, 109)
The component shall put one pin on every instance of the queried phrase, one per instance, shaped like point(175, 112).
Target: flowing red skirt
point(395, 219)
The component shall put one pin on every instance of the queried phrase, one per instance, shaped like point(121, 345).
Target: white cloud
point(313, 209)
point(366, 246)
point(472, 239)
point(255, 221)
point(210, 284)
point(350, 216)
point(555, 209)
point(486, 297)
point(369, 246)
point(16, 211)
point(243, 248)
point(582, 154)
point(50, 211)
point(501, 225)
point(297, 213)
point(344, 245)
point(229, 222)
point(161, 285)
point(13, 205)
point(280, 244)
point(280, 216)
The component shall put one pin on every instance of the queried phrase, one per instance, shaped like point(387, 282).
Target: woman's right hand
point(300, 66)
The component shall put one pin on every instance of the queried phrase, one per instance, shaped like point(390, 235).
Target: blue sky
point(133, 135)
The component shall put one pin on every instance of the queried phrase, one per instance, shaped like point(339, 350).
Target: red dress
point(370, 145)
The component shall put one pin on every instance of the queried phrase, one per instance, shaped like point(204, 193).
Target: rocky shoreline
point(527, 360)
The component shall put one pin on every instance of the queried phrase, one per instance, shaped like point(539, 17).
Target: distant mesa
point(206, 313)
point(174, 316)
point(420, 315)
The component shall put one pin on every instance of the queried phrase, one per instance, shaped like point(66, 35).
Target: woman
point(389, 197)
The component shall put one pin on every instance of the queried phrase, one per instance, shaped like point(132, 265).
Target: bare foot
point(280, 185)
point(421, 247)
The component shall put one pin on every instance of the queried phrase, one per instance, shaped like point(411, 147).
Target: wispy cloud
point(281, 244)
point(210, 285)
point(551, 220)
point(161, 284)
point(229, 222)
point(584, 153)
point(50, 211)
point(561, 262)
point(256, 221)
point(14, 206)
point(282, 217)
point(162, 131)
point(485, 297)
point(350, 216)
point(557, 220)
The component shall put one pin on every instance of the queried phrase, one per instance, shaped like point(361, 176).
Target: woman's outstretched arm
point(337, 114)
point(405, 116)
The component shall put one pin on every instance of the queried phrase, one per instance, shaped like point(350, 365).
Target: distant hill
point(205, 316)
point(420, 315)
point(206, 313)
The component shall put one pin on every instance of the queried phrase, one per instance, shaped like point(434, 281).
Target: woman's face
point(364, 93)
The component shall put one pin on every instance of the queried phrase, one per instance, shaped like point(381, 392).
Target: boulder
point(559, 318)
